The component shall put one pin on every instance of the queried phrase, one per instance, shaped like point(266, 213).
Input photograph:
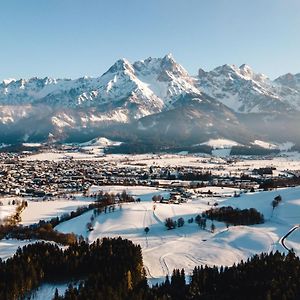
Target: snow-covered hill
point(189, 246)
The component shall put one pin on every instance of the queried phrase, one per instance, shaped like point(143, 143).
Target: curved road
point(282, 240)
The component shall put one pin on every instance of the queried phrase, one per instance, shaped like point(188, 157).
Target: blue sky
point(72, 38)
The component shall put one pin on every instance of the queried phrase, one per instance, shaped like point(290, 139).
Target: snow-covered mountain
point(245, 91)
point(123, 93)
point(118, 93)
point(288, 87)
point(289, 80)
point(146, 95)
point(166, 78)
point(194, 121)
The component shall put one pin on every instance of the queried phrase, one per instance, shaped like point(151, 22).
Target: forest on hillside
point(112, 269)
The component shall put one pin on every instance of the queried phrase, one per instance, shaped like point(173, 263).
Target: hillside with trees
point(108, 267)
point(234, 216)
point(263, 277)
point(112, 269)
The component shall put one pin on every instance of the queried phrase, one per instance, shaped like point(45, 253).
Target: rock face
point(153, 97)
point(247, 92)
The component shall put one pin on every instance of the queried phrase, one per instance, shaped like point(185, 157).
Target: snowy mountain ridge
point(123, 93)
point(129, 92)
point(122, 80)
point(245, 91)
point(155, 83)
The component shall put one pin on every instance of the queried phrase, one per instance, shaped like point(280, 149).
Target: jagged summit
point(246, 70)
point(120, 65)
point(127, 92)
point(165, 64)
point(245, 67)
point(166, 78)
point(245, 91)
point(289, 80)
point(240, 88)
point(8, 81)
point(169, 57)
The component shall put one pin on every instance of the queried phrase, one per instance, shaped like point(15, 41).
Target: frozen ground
point(142, 192)
point(36, 210)
point(6, 209)
point(45, 210)
point(46, 291)
point(188, 246)
point(9, 247)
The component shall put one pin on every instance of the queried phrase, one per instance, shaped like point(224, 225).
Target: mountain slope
point(167, 79)
point(123, 94)
point(195, 120)
point(247, 92)
point(153, 98)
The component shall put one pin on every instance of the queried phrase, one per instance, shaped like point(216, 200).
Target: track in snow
point(282, 240)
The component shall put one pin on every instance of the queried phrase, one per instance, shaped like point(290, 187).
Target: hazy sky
point(72, 38)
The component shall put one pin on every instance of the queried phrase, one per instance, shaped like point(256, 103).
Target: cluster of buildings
point(53, 178)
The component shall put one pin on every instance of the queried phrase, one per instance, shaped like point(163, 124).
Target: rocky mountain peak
point(120, 65)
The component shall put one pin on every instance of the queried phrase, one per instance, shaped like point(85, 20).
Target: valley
point(162, 186)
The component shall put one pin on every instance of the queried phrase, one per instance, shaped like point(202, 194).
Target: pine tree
point(56, 295)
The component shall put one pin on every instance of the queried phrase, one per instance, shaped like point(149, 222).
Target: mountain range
point(153, 100)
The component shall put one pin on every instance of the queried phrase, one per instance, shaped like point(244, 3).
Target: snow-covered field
point(6, 209)
point(9, 247)
point(47, 290)
point(188, 246)
point(45, 210)
point(185, 247)
point(142, 192)
point(57, 155)
point(36, 210)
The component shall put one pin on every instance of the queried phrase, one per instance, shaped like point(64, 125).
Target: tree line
point(273, 276)
point(44, 230)
point(16, 217)
point(234, 216)
point(110, 267)
point(227, 214)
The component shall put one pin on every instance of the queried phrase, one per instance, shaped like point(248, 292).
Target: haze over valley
point(153, 101)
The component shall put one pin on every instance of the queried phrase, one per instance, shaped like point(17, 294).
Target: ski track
point(164, 265)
